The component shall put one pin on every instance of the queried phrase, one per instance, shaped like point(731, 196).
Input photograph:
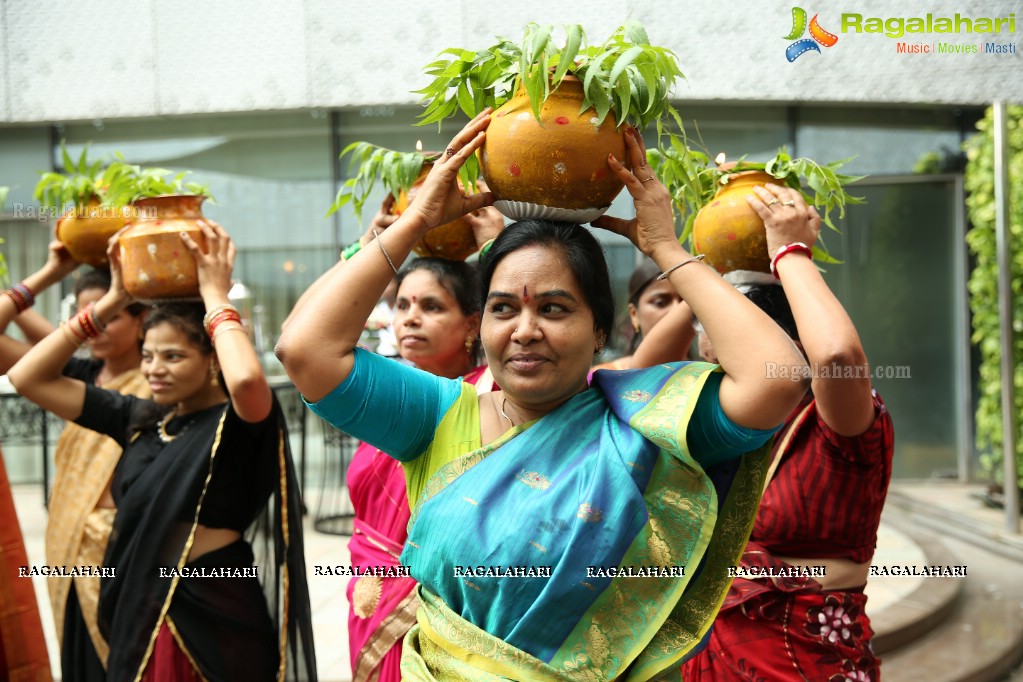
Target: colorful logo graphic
point(818, 36)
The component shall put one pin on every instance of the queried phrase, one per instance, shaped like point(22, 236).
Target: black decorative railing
point(24, 423)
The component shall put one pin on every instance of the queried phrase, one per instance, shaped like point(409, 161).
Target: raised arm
point(243, 375)
point(316, 346)
point(667, 341)
point(841, 373)
point(15, 307)
point(38, 374)
point(745, 338)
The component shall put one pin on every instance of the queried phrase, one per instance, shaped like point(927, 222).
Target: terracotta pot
point(454, 240)
point(553, 168)
point(155, 263)
point(728, 231)
point(86, 229)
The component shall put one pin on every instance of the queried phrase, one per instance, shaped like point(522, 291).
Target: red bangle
point(789, 248)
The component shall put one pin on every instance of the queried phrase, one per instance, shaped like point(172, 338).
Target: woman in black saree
point(207, 576)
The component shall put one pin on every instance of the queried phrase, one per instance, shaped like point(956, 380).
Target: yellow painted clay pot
point(86, 229)
point(552, 168)
point(453, 241)
point(728, 231)
point(155, 263)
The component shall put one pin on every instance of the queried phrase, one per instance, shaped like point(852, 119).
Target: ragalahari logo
point(818, 36)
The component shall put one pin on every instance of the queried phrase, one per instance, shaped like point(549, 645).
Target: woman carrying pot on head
point(81, 511)
point(826, 487)
point(565, 486)
point(180, 599)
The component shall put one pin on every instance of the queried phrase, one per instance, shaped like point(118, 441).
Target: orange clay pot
point(453, 241)
point(86, 229)
point(155, 263)
point(558, 163)
point(728, 231)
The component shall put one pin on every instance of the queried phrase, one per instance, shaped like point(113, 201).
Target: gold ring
point(449, 151)
point(790, 202)
point(649, 179)
point(774, 201)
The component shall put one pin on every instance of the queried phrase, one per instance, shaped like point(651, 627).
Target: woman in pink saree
point(436, 324)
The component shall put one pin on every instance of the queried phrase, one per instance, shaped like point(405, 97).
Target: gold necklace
point(161, 432)
point(504, 403)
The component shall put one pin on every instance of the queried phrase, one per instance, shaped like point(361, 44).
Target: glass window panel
point(888, 142)
point(906, 317)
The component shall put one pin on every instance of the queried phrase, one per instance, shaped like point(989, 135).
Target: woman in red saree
point(824, 493)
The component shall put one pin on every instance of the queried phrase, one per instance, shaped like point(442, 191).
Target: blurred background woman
point(650, 300)
point(436, 324)
point(81, 510)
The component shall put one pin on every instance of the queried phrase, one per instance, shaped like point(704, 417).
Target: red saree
point(23, 656)
point(381, 610)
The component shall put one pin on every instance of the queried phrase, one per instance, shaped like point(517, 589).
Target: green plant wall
point(983, 286)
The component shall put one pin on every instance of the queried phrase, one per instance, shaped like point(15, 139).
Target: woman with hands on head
point(571, 488)
point(201, 460)
point(81, 509)
point(822, 502)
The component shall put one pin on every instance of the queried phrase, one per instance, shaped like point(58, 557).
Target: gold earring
point(214, 381)
point(635, 328)
point(468, 343)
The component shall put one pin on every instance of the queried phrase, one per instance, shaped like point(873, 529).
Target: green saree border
point(681, 503)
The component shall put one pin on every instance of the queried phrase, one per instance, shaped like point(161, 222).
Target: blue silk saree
point(603, 485)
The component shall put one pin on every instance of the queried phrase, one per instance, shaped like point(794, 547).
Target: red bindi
point(413, 299)
point(525, 295)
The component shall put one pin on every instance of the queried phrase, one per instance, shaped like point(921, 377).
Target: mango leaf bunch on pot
point(155, 264)
point(559, 110)
point(89, 212)
point(401, 174)
point(710, 197)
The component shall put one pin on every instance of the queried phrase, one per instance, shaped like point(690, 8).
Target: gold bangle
point(70, 336)
point(221, 330)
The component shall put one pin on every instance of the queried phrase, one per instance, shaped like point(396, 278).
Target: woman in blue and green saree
point(560, 529)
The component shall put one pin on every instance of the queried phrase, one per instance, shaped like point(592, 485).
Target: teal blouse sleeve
point(389, 405)
point(712, 436)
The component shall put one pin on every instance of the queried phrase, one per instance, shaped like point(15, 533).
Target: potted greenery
point(93, 217)
point(154, 263)
point(558, 113)
point(401, 174)
point(710, 197)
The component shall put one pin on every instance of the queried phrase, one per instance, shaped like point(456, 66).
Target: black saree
point(223, 473)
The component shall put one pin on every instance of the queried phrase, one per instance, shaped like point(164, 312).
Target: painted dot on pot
point(559, 168)
point(715, 203)
point(600, 174)
point(731, 236)
point(515, 170)
point(562, 120)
